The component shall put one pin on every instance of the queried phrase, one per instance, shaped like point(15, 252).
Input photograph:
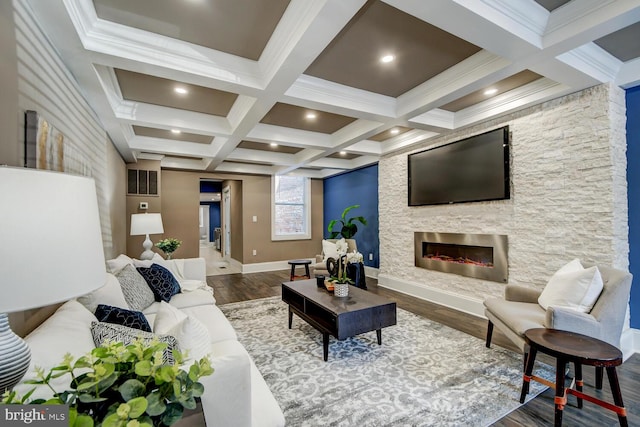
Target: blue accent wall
point(358, 187)
point(633, 194)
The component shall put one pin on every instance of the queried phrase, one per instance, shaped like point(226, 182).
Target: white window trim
point(307, 202)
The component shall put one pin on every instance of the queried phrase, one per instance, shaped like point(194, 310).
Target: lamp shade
point(51, 241)
point(146, 223)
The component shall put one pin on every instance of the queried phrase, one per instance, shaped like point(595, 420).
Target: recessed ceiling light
point(490, 91)
point(387, 58)
point(311, 116)
point(343, 153)
point(181, 90)
point(176, 131)
point(273, 144)
point(395, 131)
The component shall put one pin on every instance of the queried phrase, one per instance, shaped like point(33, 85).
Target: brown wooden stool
point(296, 262)
point(571, 347)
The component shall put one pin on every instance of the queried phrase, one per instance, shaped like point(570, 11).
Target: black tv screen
point(471, 170)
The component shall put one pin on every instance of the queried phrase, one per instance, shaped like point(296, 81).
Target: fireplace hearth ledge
point(452, 300)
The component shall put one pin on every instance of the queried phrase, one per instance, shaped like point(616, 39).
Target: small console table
point(570, 347)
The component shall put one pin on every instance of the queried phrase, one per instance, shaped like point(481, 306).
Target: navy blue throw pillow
point(122, 316)
point(163, 284)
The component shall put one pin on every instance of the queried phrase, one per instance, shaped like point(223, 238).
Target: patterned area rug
point(423, 374)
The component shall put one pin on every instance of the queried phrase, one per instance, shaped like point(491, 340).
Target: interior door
point(226, 211)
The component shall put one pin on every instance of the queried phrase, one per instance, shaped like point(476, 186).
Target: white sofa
point(235, 395)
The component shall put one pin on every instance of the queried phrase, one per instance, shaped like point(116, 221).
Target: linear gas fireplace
point(483, 256)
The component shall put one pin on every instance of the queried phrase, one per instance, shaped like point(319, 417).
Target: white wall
point(47, 87)
point(568, 200)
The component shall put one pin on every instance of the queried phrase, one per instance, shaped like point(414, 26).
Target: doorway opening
point(212, 240)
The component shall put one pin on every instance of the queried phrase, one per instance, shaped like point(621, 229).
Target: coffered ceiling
point(317, 87)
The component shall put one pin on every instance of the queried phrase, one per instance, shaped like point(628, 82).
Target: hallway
point(215, 263)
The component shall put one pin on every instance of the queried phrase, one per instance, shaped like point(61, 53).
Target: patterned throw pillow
point(109, 332)
point(122, 316)
point(135, 289)
point(163, 284)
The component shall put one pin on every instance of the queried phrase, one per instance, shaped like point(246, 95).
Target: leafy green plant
point(169, 245)
point(348, 227)
point(123, 386)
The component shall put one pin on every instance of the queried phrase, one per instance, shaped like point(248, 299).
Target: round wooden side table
point(295, 262)
point(571, 347)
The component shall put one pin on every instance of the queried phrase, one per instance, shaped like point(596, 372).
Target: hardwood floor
point(538, 412)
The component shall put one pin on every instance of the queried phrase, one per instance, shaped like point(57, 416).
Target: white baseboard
point(260, 267)
point(371, 272)
point(448, 299)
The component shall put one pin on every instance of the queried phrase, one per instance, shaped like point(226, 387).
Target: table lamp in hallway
point(145, 224)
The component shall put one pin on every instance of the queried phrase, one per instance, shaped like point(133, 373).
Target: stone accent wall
point(568, 197)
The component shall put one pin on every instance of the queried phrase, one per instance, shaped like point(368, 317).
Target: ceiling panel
point(292, 116)
point(345, 156)
point(624, 44)
point(159, 91)
point(238, 27)
point(421, 51)
point(167, 134)
point(505, 85)
point(552, 5)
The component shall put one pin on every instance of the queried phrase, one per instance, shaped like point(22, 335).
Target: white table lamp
point(145, 224)
point(51, 251)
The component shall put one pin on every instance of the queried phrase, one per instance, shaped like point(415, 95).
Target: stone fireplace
point(482, 256)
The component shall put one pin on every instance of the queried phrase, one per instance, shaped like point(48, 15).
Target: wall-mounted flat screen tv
point(470, 170)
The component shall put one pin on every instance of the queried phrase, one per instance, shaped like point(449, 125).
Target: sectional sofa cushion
point(104, 333)
point(193, 337)
point(122, 316)
point(110, 293)
point(135, 289)
point(65, 331)
point(163, 284)
point(573, 286)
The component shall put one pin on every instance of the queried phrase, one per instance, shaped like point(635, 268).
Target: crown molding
point(591, 59)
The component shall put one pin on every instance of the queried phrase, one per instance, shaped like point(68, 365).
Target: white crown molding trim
point(168, 118)
point(248, 155)
point(629, 74)
point(408, 139)
point(309, 91)
point(251, 169)
point(450, 84)
point(309, 173)
point(289, 136)
point(363, 161)
point(366, 147)
point(176, 163)
point(526, 20)
point(121, 41)
point(171, 147)
point(436, 117)
point(355, 131)
point(150, 156)
point(468, 305)
point(240, 110)
point(530, 94)
point(591, 59)
point(574, 17)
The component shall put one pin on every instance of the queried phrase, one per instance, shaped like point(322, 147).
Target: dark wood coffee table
point(342, 317)
point(571, 347)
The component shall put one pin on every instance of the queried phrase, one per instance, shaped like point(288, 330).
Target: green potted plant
point(123, 386)
point(168, 246)
point(348, 227)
